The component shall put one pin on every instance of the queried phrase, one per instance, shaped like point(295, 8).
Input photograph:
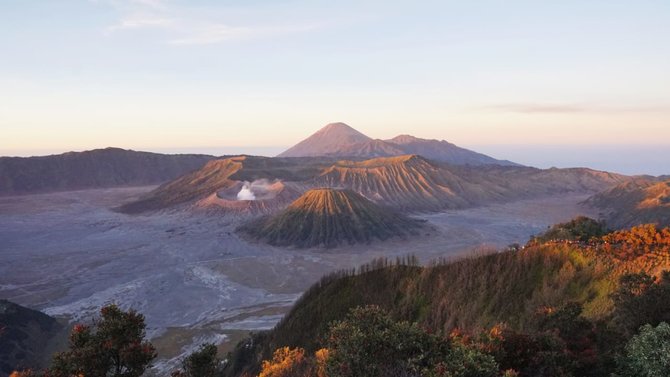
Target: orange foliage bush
point(643, 247)
point(285, 362)
point(25, 373)
point(320, 360)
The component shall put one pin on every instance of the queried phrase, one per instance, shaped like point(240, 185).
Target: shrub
point(369, 343)
point(114, 346)
point(201, 363)
point(648, 353)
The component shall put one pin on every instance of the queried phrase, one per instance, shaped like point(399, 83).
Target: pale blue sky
point(229, 75)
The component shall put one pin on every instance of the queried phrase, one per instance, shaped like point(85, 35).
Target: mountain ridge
point(341, 140)
point(642, 200)
point(98, 168)
point(414, 183)
point(407, 182)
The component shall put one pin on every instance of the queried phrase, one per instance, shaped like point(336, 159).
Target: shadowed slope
point(636, 202)
point(441, 150)
point(327, 217)
point(25, 337)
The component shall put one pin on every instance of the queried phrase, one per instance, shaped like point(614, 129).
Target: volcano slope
point(643, 200)
point(226, 176)
point(408, 182)
point(330, 217)
point(414, 183)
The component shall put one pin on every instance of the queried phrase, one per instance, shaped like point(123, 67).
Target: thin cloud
point(556, 108)
point(219, 33)
point(214, 34)
point(151, 3)
point(184, 27)
point(141, 22)
point(534, 108)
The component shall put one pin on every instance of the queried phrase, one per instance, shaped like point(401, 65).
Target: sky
point(545, 83)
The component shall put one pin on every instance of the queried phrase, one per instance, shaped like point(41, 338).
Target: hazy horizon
point(486, 75)
point(623, 159)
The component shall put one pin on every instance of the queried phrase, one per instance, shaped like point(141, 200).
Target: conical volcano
point(327, 141)
point(330, 217)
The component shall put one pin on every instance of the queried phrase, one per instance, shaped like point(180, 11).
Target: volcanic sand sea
point(191, 275)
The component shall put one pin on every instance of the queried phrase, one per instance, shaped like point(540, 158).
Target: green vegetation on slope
point(475, 294)
point(580, 229)
point(113, 346)
point(470, 294)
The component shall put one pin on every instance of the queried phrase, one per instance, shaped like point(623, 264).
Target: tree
point(581, 229)
point(648, 353)
point(114, 346)
point(641, 300)
point(370, 343)
point(201, 363)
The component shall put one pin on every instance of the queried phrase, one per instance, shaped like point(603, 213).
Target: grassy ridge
point(470, 294)
point(516, 287)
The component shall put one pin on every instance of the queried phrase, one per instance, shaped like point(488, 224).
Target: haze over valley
point(334, 189)
point(225, 249)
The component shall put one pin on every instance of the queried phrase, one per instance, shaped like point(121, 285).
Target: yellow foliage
point(321, 358)
point(285, 362)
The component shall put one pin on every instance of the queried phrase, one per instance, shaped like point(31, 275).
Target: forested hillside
point(573, 302)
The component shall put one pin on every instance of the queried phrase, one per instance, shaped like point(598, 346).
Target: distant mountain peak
point(404, 139)
point(339, 127)
point(340, 140)
point(328, 140)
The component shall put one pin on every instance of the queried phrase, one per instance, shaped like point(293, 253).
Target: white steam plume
point(246, 193)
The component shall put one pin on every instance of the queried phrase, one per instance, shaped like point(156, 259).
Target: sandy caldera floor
point(193, 278)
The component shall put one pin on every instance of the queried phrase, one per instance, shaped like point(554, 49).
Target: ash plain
point(191, 275)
